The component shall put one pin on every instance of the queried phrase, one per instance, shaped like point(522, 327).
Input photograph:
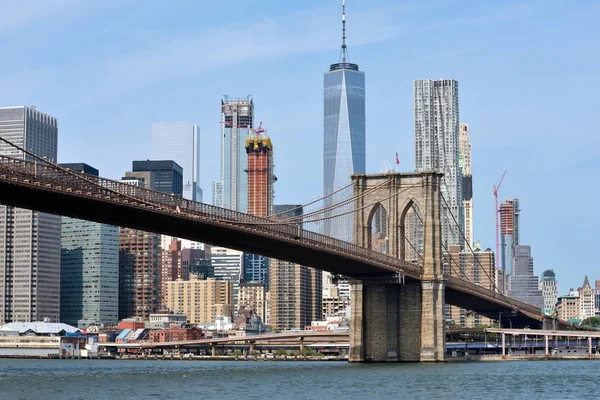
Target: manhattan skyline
point(525, 69)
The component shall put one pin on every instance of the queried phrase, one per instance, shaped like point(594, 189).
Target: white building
point(586, 300)
point(228, 265)
point(549, 287)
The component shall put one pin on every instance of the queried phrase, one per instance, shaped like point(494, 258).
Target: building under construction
point(259, 150)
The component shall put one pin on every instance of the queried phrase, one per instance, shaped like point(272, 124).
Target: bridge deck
point(47, 188)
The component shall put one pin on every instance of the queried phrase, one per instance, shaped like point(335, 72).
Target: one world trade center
point(344, 138)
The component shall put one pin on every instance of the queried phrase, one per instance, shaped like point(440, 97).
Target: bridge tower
point(399, 320)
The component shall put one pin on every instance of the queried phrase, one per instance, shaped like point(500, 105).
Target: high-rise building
point(509, 233)
point(228, 265)
point(259, 149)
point(176, 263)
point(586, 300)
point(437, 149)
point(139, 273)
point(89, 268)
point(464, 162)
point(162, 175)
point(344, 142)
point(522, 283)
point(200, 299)
point(295, 290)
point(549, 287)
point(180, 142)
point(237, 117)
point(139, 251)
point(29, 240)
point(476, 267)
point(253, 296)
point(597, 295)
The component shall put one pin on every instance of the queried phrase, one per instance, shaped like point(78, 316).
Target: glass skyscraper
point(29, 240)
point(180, 142)
point(89, 268)
point(344, 137)
point(237, 116)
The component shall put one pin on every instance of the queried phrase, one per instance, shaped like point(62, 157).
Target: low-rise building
point(177, 334)
point(166, 319)
point(568, 307)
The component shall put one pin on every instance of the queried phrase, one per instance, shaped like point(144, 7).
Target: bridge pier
point(393, 322)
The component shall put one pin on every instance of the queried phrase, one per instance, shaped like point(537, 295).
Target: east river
point(133, 379)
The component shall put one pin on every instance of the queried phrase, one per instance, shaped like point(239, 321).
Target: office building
point(259, 149)
point(162, 175)
point(253, 296)
point(295, 290)
point(237, 116)
point(202, 300)
point(344, 143)
point(477, 267)
point(597, 295)
point(522, 283)
point(139, 273)
point(176, 263)
point(89, 268)
point(568, 307)
point(29, 240)
point(586, 300)
point(437, 149)
point(333, 304)
point(180, 142)
point(509, 233)
point(549, 287)
point(228, 264)
point(464, 162)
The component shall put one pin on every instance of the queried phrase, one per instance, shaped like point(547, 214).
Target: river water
point(137, 379)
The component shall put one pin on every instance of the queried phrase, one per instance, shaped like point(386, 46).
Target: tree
point(591, 322)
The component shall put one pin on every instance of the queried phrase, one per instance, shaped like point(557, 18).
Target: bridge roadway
point(47, 188)
point(306, 337)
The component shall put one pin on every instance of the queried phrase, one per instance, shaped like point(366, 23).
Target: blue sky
point(528, 71)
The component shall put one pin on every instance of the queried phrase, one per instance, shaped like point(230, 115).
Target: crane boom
point(496, 189)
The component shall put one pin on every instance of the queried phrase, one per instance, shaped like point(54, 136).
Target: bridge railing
point(47, 174)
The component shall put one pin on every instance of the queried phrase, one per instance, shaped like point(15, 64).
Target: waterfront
point(112, 379)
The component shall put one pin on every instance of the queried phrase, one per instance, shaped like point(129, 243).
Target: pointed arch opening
point(411, 233)
point(378, 238)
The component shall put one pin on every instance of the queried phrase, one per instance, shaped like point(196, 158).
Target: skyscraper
point(237, 116)
point(522, 283)
point(259, 149)
point(161, 175)
point(437, 148)
point(89, 268)
point(228, 265)
point(29, 240)
point(180, 142)
point(344, 139)
point(295, 290)
point(464, 162)
point(549, 287)
point(509, 233)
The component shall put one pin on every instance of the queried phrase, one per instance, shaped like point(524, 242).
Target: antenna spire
point(343, 31)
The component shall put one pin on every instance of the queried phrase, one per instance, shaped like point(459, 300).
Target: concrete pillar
point(589, 347)
point(547, 352)
point(213, 349)
point(503, 345)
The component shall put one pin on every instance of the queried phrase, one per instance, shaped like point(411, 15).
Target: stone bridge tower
point(399, 320)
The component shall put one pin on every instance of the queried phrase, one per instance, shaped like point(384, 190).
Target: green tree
point(280, 352)
point(591, 322)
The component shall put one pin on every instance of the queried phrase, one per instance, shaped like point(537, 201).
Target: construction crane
point(259, 130)
point(496, 189)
